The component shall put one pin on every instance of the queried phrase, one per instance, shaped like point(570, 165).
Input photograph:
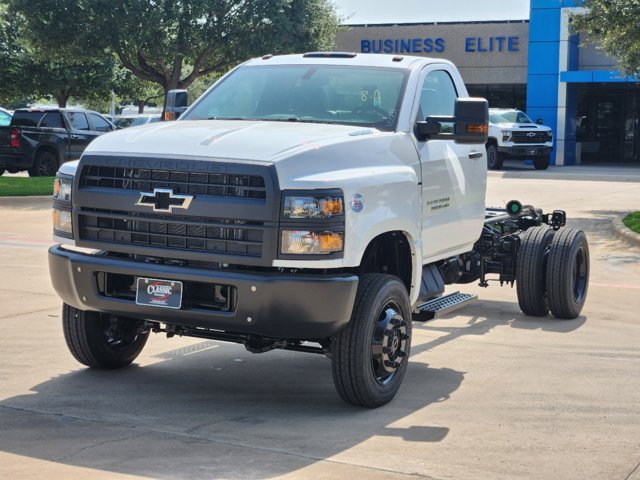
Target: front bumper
point(283, 306)
point(526, 151)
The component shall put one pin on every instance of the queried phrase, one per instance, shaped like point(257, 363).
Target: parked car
point(513, 135)
point(5, 117)
point(125, 121)
point(39, 140)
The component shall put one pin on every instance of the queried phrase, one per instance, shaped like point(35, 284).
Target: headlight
point(549, 137)
point(312, 206)
point(62, 221)
point(305, 242)
point(506, 135)
point(62, 189)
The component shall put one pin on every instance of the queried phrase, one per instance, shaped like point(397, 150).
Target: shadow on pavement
point(212, 407)
point(508, 315)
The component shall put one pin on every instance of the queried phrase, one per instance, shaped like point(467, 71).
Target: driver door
point(453, 174)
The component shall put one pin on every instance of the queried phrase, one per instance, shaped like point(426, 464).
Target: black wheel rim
point(119, 333)
point(579, 275)
point(47, 166)
point(389, 343)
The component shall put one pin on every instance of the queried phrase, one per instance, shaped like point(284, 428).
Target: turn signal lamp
point(305, 242)
point(477, 128)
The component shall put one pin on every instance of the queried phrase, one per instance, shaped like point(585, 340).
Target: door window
point(78, 121)
point(438, 97)
point(52, 120)
point(99, 123)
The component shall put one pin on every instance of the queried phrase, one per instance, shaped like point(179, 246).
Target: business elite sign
point(499, 44)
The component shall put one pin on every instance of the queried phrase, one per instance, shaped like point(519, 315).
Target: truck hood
point(259, 141)
point(522, 126)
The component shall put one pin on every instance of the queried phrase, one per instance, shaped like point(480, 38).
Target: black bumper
point(15, 161)
point(267, 304)
point(526, 151)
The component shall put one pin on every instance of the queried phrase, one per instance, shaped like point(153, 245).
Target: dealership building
point(534, 65)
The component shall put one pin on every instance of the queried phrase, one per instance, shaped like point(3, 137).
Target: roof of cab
point(345, 58)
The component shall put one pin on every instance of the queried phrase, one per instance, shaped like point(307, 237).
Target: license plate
point(153, 292)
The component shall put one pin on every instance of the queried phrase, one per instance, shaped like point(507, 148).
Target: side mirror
point(470, 123)
point(175, 104)
point(539, 121)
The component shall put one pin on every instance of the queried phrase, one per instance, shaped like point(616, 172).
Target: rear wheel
point(102, 341)
point(44, 165)
point(494, 157)
point(530, 271)
point(568, 273)
point(541, 163)
point(369, 357)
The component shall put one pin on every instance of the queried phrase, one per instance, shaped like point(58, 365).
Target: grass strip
point(632, 221)
point(25, 186)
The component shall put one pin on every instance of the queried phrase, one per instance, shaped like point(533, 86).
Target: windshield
point(363, 96)
point(509, 117)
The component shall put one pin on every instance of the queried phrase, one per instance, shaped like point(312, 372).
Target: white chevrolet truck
point(318, 203)
point(513, 136)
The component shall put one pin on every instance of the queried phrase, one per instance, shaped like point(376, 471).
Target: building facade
point(533, 65)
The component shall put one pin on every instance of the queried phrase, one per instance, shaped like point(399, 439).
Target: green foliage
point(25, 186)
point(633, 221)
point(614, 25)
point(31, 70)
point(174, 42)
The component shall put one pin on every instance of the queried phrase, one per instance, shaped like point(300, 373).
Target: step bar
point(442, 305)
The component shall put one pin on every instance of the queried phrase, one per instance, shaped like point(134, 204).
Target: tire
point(541, 163)
point(370, 355)
point(102, 341)
point(530, 271)
point(494, 157)
point(568, 273)
point(44, 165)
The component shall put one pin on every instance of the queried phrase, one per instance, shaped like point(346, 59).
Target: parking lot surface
point(490, 393)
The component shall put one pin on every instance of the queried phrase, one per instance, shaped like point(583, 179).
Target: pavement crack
point(98, 444)
point(632, 475)
point(13, 315)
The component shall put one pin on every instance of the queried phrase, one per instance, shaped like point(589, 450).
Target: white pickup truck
point(317, 203)
point(513, 136)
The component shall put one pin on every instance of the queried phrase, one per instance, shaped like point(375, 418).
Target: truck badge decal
point(356, 203)
point(164, 200)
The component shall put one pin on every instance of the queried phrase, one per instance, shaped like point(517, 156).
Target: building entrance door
point(608, 124)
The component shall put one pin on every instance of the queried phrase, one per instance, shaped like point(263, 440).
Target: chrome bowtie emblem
point(531, 134)
point(164, 200)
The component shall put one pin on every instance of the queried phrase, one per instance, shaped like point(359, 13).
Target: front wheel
point(494, 157)
point(369, 357)
point(541, 163)
point(103, 341)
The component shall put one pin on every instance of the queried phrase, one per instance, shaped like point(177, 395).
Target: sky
point(358, 12)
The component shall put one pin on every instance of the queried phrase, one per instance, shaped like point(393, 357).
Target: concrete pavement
point(489, 394)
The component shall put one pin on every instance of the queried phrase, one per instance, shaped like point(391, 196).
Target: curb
point(624, 233)
point(35, 200)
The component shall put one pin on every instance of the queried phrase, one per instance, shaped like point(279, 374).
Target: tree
point(174, 42)
point(32, 71)
point(614, 25)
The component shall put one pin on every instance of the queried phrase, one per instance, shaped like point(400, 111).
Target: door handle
point(475, 155)
point(75, 137)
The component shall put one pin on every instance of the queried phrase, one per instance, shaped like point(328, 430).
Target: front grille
point(195, 234)
point(181, 182)
point(526, 137)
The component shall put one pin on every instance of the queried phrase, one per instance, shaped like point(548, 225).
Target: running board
point(439, 306)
